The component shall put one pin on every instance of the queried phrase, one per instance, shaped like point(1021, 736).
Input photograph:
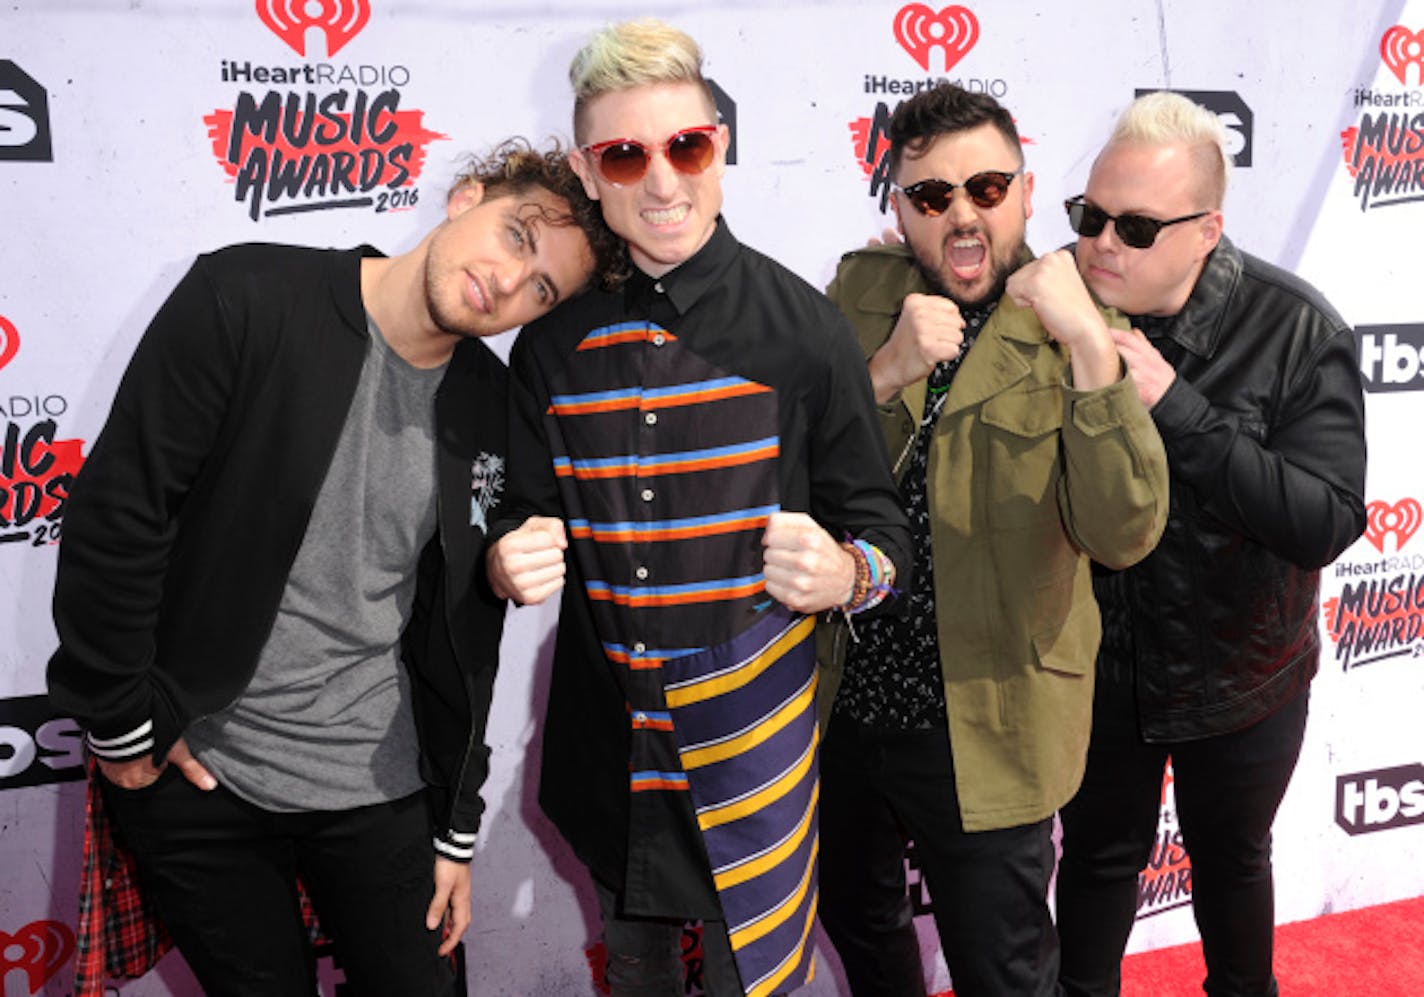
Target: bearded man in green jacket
point(1022, 452)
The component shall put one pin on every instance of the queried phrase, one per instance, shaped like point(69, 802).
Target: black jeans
point(989, 888)
point(223, 874)
point(645, 954)
point(1227, 789)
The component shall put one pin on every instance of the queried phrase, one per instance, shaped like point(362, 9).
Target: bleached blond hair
point(1166, 118)
point(631, 54)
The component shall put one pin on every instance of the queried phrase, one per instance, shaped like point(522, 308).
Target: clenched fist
point(930, 329)
point(527, 565)
point(806, 571)
point(1053, 288)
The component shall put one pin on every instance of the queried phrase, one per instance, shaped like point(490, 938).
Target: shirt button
point(658, 339)
point(647, 494)
point(639, 647)
point(642, 572)
point(651, 418)
point(658, 286)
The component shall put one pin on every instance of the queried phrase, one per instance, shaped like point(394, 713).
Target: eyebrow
point(544, 275)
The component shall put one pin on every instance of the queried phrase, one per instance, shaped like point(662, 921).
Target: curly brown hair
point(515, 166)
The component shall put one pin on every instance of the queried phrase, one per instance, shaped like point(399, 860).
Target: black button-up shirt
point(664, 422)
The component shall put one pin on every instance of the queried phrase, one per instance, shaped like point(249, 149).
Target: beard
point(444, 296)
point(435, 294)
point(981, 292)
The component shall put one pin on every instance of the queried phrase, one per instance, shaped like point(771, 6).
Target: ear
point(584, 169)
point(722, 144)
point(464, 199)
point(1212, 227)
point(899, 222)
point(1027, 180)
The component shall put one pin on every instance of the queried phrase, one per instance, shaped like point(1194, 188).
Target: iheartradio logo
point(1401, 519)
point(338, 20)
point(38, 951)
point(1401, 48)
point(920, 30)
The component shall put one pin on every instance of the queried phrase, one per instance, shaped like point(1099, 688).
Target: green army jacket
point(1029, 480)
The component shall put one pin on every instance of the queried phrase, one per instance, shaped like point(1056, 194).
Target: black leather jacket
point(1264, 430)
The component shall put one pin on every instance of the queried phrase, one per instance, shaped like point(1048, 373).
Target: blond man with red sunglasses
point(694, 461)
point(1022, 453)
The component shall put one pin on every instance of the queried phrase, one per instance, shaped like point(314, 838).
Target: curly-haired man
point(270, 621)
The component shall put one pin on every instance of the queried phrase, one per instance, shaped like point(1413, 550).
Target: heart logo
point(39, 950)
point(9, 341)
point(339, 20)
point(919, 29)
point(1401, 519)
point(1400, 48)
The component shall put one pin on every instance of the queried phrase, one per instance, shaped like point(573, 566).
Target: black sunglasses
point(1137, 231)
point(987, 189)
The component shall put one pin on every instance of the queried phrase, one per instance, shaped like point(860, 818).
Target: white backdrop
point(112, 127)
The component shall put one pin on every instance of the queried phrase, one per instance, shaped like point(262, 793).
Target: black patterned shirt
point(892, 674)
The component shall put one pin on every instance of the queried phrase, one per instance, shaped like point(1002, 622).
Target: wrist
point(884, 380)
point(874, 577)
point(850, 571)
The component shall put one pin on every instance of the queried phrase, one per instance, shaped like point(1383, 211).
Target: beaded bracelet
point(874, 576)
point(861, 586)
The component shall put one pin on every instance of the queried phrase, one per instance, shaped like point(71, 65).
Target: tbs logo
point(1380, 800)
point(37, 747)
point(1236, 118)
point(24, 117)
point(1391, 356)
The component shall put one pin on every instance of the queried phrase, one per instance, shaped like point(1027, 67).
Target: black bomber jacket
point(182, 525)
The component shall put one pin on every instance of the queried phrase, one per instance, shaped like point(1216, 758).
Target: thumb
point(193, 770)
point(776, 525)
point(785, 528)
point(553, 527)
point(439, 904)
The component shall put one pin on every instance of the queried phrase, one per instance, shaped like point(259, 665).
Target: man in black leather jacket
point(1210, 642)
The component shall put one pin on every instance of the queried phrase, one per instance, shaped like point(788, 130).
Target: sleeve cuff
point(125, 747)
point(457, 846)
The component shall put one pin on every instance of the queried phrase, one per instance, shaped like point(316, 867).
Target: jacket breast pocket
point(1023, 437)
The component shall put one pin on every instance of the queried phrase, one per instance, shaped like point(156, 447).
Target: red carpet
point(1372, 952)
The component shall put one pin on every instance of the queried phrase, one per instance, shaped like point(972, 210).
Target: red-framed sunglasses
point(625, 160)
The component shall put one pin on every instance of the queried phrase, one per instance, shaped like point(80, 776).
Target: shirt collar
point(687, 282)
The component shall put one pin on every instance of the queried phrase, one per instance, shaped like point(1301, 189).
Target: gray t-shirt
point(326, 723)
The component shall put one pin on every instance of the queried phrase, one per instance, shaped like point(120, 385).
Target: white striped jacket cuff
point(457, 846)
point(125, 747)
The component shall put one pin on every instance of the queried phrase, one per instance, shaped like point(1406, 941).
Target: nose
point(961, 211)
point(511, 273)
point(1107, 240)
point(661, 179)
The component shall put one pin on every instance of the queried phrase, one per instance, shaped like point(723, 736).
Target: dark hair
point(943, 110)
point(514, 167)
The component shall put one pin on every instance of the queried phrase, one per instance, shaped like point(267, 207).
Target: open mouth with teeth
point(966, 258)
point(665, 216)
